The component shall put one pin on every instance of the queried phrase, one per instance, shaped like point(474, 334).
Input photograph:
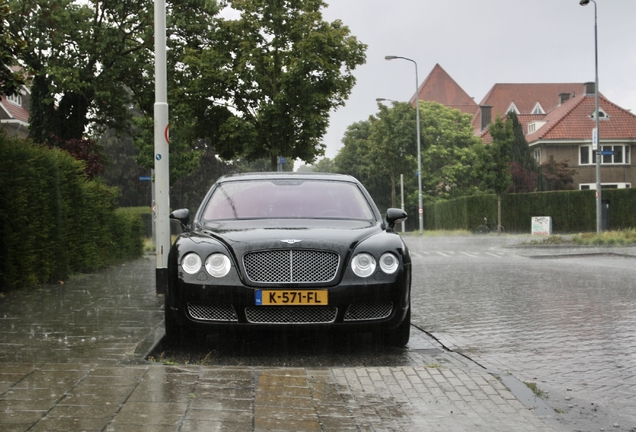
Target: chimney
point(590, 88)
point(563, 97)
point(486, 116)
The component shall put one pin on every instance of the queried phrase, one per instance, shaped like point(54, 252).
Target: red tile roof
point(14, 111)
point(441, 88)
point(526, 96)
point(573, 121)
point(567, 109)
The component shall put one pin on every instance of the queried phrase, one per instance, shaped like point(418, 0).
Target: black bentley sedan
point(267, 250)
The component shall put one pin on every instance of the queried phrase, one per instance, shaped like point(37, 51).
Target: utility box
point(542, 225)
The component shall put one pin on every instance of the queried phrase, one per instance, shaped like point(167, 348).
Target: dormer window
point(538, 109)
point(513, 108)
point(602, 115)
point(535, 126)
point(15, 99)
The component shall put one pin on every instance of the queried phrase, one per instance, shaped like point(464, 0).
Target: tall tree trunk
point(393, 198)
point(499, 214)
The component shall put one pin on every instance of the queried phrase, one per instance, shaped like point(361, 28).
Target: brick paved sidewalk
point(71, 358)
point(94, 397)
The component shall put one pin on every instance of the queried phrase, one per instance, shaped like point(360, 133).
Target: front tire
point(399, 337)
point(173, 329)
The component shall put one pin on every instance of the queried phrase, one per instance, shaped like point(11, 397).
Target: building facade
point(14, 113)
point(557, 118)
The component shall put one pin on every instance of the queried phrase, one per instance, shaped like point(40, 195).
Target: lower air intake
point(212, 312)
point(368, 311)
point(291, 315)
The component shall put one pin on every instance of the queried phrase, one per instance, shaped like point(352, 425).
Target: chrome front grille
point(368, 311)
point(212, 312)
point(291, 266)
point(290, 315)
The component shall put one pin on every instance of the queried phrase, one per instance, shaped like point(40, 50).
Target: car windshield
point(265, 199)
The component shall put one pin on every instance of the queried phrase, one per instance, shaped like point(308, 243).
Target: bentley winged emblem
point(291, 241)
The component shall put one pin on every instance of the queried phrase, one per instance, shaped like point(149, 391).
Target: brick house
point(14, 113)
point(557, 118)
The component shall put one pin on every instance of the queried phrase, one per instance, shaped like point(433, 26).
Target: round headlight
point(389, 263)
point(191, 263)
point(218, 265)
point(363, 264)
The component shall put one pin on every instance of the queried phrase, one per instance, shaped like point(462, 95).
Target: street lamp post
point(161, 205)
point(419, 153)
point(597, 137)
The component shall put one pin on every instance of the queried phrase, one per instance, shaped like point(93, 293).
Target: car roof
point(288, 175)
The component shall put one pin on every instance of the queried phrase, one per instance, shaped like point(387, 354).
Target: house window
point(538, 109)
point(584, 156)
point(15, 99)
point(620, 155)
point(537, 155)
point(602, 115)
point(532, 127)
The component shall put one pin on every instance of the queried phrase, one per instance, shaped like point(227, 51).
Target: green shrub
point(54, 221)
point(571, 211)
point(128, 230)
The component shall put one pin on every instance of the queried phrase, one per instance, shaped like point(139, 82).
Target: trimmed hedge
point(53, 220)
point(571, 211)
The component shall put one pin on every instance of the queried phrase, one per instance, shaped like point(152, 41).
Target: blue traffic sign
point(607, 152)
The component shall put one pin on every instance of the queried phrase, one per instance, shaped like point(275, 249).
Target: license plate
point(287, 297)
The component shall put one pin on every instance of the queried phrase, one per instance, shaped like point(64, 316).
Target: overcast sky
point(481, 43)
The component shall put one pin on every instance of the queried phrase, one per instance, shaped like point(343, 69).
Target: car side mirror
point(395, 215)
point(183, 216)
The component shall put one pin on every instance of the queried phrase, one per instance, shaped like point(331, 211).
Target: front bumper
point(375, 305)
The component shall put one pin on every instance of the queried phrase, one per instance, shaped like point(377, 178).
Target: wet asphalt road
point(563, 318)
point(72, 355)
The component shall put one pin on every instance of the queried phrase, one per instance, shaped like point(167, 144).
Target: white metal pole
point(599, 202)
point(402, 196)
point(596, 136)
point(161, 137)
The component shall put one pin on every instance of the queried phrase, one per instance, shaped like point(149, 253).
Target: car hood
point(246, 236)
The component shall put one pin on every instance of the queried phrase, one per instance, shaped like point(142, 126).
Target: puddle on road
point(300, 349)
point(525, 395)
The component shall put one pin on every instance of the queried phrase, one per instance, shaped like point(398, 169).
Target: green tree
point(122, 171)
point(378, 150)
point(88, 60)
point(448, 152)
point(354, 159)
point(350, 158)
point(495, 159)
point(184, 155)
point(523, 167)
point(283, 69)
point(325, 165)
point(555, 175)
point(305, 168)
point(393, 149)
point(10, 46)
point(93, 60)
